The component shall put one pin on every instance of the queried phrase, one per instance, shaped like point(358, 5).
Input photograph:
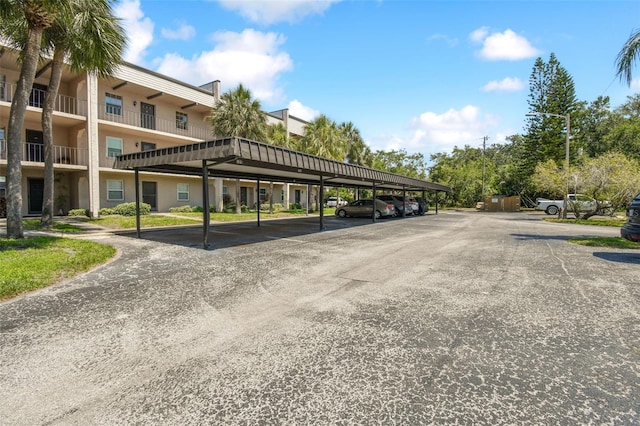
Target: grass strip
point(31, 263)
point(612, 242)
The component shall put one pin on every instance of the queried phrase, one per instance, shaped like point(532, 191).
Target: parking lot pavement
point(459, 318)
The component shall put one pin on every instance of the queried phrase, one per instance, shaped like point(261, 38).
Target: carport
point(238, 158)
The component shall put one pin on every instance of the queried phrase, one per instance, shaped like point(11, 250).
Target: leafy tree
point(402, 163)
point(623, 134)
point(38, 16)
point(610, 179)
point(238, 114)
point(358, 152)
point(91, 39)
point(627, 56)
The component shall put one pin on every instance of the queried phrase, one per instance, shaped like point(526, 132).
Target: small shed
point(501, 203)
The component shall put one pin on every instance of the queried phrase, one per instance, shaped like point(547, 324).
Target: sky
point(419, 75)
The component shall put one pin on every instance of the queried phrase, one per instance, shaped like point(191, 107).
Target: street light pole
point(567, 119)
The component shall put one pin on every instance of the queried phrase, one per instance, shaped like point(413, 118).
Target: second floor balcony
point(34, 152)
point(154, 123)
point(64, 104)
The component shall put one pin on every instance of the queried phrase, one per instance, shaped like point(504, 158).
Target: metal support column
point(137, 184)
point(436, 202)
point(321, 203)
point(258, 198)
point(205, 201)
point(373, 212)
point(404, 198)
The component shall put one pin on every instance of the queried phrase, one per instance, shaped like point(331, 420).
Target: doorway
point(148, 116)
point(243, 196)
point(36, 195)
point(150, 194)
point(34, 145)
point(38, 92)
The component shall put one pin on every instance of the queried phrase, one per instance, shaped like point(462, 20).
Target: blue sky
point(423, 76)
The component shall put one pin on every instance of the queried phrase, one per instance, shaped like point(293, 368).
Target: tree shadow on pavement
point(619, 257)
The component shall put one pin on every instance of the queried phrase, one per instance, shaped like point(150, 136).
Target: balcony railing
point(65, 104)
point(34, 152)
point(151, 122)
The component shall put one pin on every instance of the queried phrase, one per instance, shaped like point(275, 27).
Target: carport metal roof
point(247, 159)
point(238, 158)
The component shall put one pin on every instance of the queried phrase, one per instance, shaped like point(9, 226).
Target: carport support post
point(137, 184)
point(373, 212)
point(436, 202)
point(205, 201)
point(258, 198)
point(321, 204)
point(404, 198)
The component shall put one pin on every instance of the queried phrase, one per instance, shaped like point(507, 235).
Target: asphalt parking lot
point(455, 318)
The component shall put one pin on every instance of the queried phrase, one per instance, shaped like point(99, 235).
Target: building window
point(225, 190)
point(114, 146)
point(3, 186)
point(3, 144)
point(115, 190)
point(148, 146)
point(182, 120)
point(3, 83)
point(262, 194)
point(114, 104)
point(183, 192)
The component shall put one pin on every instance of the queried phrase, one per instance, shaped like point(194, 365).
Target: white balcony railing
point(65, 104)
point(34, 152)
point(151, 122)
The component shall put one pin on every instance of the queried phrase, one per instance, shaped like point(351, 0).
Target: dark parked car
point(365, 208)
point(631, 229)
point(423, 205)
point(398, 202)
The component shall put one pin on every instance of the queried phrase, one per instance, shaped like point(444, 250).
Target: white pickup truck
point(551, 207)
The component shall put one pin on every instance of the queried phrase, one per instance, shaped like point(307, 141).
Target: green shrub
point(129, 209)
point(78, 212)
point(296, 206)
point(276, 206)
point(244, 209)
point(183, 209)
point(106, 211)
point(197, 209)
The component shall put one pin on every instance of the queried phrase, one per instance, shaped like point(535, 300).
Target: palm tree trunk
point(238, 202)
point(14, 130)
point(47, 138)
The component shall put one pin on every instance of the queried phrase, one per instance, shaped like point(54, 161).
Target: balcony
point(151, 122)
point(64, 104)
point(34, 152)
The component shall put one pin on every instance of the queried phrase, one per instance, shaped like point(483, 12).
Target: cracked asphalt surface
point(460, 318)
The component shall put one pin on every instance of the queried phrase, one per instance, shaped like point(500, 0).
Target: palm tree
point(629, 53)
point(357, 150)
point(323, 138)
point(237, 114)
point(277, 135)
point(38, 15)
point(91, 38)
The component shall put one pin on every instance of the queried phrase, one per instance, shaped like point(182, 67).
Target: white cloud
point(139, 30)
point(251, 57)
point(270, 12)
point(183, 32)
point(508, 84)
point(297, 109)
point(635, 85)
point(503, 46)
point(433, 132)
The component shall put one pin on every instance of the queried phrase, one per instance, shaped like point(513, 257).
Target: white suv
point(335, 202)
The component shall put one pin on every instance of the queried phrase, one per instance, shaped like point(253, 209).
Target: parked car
point(364, 208)
point(423, 205)
point(414, 205)
point(631, 229)
point(552, 207)
point(336, 202)
point(398, 202)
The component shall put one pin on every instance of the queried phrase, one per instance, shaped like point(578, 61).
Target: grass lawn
point(596, 221)
point(32, 263)
point(612, 242)
point(34, 225)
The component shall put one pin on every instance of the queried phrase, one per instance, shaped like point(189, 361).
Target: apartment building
point(135, 110)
